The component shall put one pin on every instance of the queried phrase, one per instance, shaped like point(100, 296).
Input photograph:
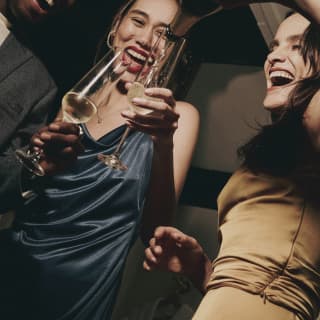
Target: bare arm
point(174, 130)
point(309, 8)
point(169, 170)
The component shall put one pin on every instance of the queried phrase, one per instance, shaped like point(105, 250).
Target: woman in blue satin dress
point(65, 253)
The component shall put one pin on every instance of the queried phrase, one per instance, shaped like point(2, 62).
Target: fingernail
point(38, 141)
point(137, 100)
point(128, 113)
point(45, 135)
point(148, 91)
point(54, 126)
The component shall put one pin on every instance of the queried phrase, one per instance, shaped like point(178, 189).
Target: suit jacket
point(27, 92)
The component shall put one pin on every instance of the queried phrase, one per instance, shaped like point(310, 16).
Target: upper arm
point(310, 8)
point(184, 141)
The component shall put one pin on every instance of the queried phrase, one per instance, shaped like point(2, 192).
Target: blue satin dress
point(64, 257)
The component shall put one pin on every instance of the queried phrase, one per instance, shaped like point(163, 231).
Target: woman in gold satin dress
point(268, 265)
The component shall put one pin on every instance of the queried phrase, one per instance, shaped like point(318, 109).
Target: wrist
point(163, 143)
point(201, 275)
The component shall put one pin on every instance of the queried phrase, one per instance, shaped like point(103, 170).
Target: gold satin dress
point(268, 266)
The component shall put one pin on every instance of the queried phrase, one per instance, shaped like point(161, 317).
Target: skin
point(140, 29)
point(285, 57)
point(172, 250)
point(173, 125)
point(59, 143)
point(308, 8)
point(62, 138)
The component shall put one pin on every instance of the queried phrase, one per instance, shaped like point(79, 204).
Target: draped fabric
point(64, 257)
point(269, 243)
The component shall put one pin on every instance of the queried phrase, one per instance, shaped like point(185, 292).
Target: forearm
point(161, 197)
point(201, 274)
point(309, 8)
point(229, 4)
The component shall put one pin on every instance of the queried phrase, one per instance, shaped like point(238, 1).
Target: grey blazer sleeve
point(27, 93)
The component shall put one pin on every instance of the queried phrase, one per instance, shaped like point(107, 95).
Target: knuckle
point(163, 106)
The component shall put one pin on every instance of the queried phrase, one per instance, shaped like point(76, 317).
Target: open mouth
point(280, 78)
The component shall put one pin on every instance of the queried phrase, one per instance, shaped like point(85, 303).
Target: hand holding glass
point(147, 77)
point(81, 102)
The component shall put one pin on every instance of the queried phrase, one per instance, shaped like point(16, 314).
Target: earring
point(110, 38)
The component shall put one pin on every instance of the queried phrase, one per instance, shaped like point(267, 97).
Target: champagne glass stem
point(121, 142)
point(113, 160)
point(30, 160)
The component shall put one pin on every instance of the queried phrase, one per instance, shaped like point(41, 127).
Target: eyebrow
point(293, 38)
point(146, 16)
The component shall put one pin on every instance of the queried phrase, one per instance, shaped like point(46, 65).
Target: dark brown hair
point(283, 147)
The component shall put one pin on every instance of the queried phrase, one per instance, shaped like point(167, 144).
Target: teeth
point(139, 56)
point(281, 74)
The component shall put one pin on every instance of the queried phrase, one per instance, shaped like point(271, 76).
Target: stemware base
point(30, 160)
point(112, 161)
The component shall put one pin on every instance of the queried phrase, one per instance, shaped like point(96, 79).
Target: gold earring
point(110, 38)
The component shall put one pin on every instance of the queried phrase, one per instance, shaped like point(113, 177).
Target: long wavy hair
point(283, 148)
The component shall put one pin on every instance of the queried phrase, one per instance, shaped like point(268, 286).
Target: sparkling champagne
point(137, 91)
point(77, 108)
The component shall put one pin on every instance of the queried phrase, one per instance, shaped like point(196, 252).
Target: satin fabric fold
point(68, 245)
point(269, 243)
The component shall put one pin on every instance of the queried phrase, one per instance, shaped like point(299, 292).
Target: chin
point(272, 104)
point(128, 76)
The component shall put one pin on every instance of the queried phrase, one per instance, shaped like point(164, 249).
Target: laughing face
point(36, 10)
point(140, 29)
point(285, 65)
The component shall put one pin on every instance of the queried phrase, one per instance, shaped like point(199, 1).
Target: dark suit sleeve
point(26, 96)
point(10, 168)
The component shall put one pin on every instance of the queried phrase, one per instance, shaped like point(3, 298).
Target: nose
point(277, 55)
point(145, 39)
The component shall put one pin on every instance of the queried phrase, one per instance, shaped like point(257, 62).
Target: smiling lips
point(137, 58)
point(280, 77)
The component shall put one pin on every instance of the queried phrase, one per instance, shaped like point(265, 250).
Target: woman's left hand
point(161, 121)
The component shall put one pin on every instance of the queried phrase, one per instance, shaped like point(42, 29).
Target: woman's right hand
point(172, 250)
point(161, 119)
point(60, 145)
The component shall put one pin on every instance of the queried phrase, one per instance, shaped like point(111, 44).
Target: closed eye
point(138, 22)
point(296, 47)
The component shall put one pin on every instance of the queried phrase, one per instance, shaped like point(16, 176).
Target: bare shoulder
point(187, 111)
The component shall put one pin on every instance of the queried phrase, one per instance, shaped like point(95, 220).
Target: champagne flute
point(159, 75)
point(81, 102)
point(145, 78)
